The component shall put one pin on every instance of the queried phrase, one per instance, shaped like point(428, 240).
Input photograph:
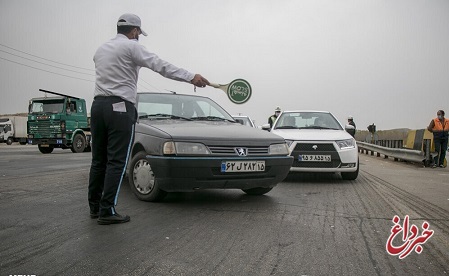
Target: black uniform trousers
point(112, 127)
point(440, 148)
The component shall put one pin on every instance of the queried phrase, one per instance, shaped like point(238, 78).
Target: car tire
point(257, 191)
point(78, 144)
point(9, 141)
point(142, 180)
point(351, 175)
point(45, 150)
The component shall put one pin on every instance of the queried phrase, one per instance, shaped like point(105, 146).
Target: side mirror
point(266, 127)
point(240, 121)
point(350, 129)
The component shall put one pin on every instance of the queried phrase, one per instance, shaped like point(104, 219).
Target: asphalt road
point(307, 225)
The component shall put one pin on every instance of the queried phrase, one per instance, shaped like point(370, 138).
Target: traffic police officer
point(351, 122)
point(273, 117)
point(113, 112)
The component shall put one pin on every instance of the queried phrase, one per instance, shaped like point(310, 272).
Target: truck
point(13, 129)
point(59, 121)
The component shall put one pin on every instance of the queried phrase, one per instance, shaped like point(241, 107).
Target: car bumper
point(330, 170)
point(343, 161)
point(180, 174)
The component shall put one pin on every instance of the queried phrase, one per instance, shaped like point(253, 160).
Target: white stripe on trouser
point(124, 168)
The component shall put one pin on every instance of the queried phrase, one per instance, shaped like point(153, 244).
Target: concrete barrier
point(400, 144)
point(416, 156)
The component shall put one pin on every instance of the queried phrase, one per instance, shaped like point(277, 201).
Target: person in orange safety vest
point(440, 129)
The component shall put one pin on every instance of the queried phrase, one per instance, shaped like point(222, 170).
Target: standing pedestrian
point(440, 129)
point(273, 117)
point(351, 122)
point(113, 112)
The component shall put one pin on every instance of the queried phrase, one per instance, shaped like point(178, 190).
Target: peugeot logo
point(314, 147)
point(241, 151)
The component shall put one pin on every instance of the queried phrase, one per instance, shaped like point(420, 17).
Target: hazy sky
point(381, 61)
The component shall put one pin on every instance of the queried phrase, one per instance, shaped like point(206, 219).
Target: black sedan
point(185, 143)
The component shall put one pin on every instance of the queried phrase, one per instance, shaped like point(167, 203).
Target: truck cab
point(6, 130)
point(59, 122)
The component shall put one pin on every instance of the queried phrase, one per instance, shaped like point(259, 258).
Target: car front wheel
point(351, 175)
point(142, 179)
point(257, 191)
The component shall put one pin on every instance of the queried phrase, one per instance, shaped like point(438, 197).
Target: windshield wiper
point(212, 118)
point(164, 116)
point(287, 127)
point(318, 127)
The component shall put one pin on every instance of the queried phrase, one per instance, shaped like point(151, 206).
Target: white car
point(244, 120)
point(318, 142)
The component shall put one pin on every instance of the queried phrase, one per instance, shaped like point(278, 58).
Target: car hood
point(312, 134)
point(204, 130)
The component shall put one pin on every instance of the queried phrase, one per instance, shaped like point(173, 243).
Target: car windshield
point(158, 106)
point(307, 120)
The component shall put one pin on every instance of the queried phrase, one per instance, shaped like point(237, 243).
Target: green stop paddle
point(239, 91)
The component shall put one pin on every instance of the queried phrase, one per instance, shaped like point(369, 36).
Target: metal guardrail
point(399, 153)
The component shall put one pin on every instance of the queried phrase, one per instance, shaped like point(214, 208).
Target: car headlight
point(185, 148)
point(346, 144)
point(278, 149)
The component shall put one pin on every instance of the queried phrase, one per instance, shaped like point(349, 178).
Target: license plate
point(243, 166)
point(44, 146)
point(314, 158)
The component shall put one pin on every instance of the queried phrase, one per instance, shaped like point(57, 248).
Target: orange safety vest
point(440, 130)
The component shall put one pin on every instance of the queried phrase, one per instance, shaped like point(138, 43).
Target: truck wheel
point(78, 143)
point(45, 150)
point(142, 180)
point(9, 141)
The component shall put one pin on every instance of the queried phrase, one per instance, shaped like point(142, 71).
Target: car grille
point(321, 149)
point(333, 164)
point(309, 147)
point(230, 151)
